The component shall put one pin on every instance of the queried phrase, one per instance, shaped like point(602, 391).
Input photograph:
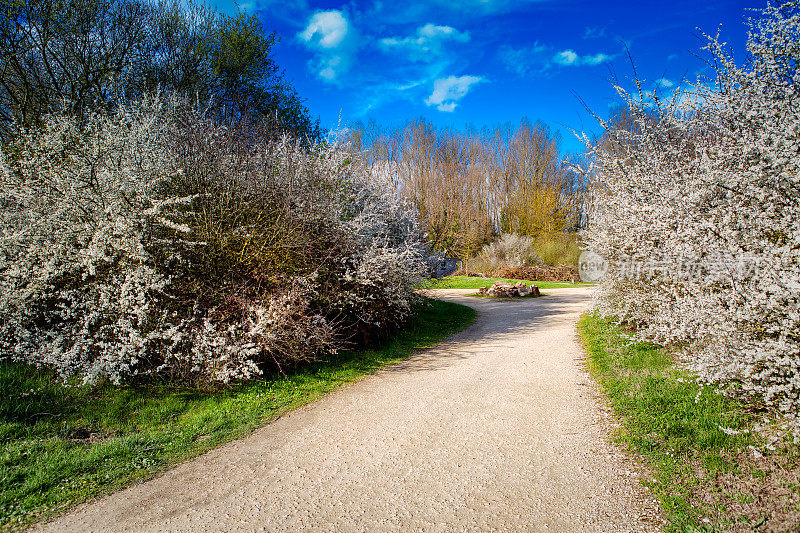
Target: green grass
point(474, 282)
point(665, 420)
point(64, 445)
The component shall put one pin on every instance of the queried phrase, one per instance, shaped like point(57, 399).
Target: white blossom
point(106, 222)
point(702, 180)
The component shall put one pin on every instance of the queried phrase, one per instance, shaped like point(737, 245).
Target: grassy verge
point(474, 282)
point(64, 445)
point(705, 478)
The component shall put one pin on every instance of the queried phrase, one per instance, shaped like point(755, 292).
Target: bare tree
point(470, 188)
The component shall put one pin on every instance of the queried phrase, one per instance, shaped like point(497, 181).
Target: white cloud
point(596, 59)
point(330, 36)
point(427, 44)
point(329, 67)
point(664, 83)
point(523, 60)
point(565, 57)
point(431, 31)
point(539, 58)
point(326, 29)
point(569, 58)
point(448, 91)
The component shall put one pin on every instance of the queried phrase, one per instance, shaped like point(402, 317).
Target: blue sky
point(487, 62)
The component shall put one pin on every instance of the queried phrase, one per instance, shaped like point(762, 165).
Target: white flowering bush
point(510, 250)
point(696, 207)
point(156, 242)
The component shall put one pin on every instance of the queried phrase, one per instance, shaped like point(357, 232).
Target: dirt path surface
point(499, 428)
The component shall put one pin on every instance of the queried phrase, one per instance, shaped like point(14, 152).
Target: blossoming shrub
point(700, 194)
point(156, 242)
point(510, 250)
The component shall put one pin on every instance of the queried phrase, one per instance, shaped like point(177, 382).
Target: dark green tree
point(78, 55)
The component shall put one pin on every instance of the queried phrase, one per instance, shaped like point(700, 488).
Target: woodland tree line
point(470, 188)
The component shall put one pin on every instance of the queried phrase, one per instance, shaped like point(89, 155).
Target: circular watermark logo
point(591, 266)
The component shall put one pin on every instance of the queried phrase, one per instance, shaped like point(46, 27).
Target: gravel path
point(499, 428)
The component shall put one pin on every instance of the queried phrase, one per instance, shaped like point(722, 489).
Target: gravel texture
point(498, 428)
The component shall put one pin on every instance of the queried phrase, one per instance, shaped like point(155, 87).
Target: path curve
point(498, 428)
